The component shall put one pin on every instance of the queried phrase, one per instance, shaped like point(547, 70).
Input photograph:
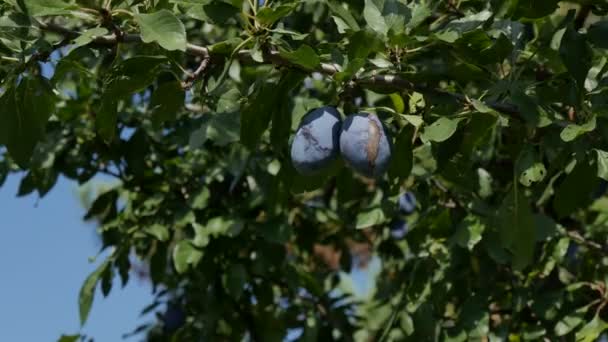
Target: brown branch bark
point(273, 57)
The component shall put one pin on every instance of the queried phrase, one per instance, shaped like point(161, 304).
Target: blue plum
point(316, 143)
point(365, 145)
point(173, 318)
point(399, 229)
point(407, 203)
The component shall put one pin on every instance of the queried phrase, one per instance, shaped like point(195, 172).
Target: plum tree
point(493, 113)
point(316, 142)
point(365, 144)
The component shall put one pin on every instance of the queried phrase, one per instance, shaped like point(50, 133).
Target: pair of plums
point(361, 140)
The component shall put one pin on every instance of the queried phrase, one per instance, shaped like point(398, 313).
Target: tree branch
point(273, 57)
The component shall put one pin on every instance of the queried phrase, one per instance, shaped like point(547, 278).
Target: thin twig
point(576, 236)
point(273, 57)
point(191, 78)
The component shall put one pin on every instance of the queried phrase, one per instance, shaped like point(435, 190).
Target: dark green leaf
point(68, 338)
point(343, 14)
point(267, 16)
point(235, 280)
point(23, 120)
point(257, 112)
point(576, 189)
point(362, 43)
point(402, 159)
point(166, 101)
point(87, 291)
point(576, 54)
point(597, 34)
point(304, 56)
point(517, 227)
point(535, 9)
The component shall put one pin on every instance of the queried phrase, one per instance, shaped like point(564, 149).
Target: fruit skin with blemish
point(316, 143)
point(365, 144)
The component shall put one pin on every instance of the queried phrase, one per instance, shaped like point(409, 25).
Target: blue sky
point(44, 258)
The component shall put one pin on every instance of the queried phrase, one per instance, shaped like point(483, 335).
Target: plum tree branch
point(273, 57)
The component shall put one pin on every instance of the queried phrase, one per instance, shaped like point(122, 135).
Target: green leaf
point(23, 120)
point(362, 43)
point(403, 155)
point(282, 116)
point(369, 218)
point(469, 232)
point(420, 12)
point(267, 16)
point(574, 192)
point(529, 109)
point(235, 280)
point(88, 36)
point(373, 17)
point(222, 226)
point(87, 291)
point(69, 338)
point(602, 164)
point(597, 34)
point(415, 120)
point(185, 255)
point(124, 79)
point(257, 112)
point(573, 131)
point(592, 330)
point(517, 228)
point(166, 101)
point(39, 8)
point(133, 75)
point(440, 130)
point(571, 321)
point(343, 14)
point(200, 199)
point(304, 56)
point(535, 9)
point(4, 170)
point(107, 117)
point(102, 205)
point(576, 54)
point(159, 231)
point(164, 28)
point(529, 168)
point(224, 128)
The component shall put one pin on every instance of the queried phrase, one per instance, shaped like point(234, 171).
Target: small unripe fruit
point(365, 145)
point(316, 143)
point(407, 203)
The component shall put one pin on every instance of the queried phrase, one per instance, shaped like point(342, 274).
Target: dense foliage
point(498, 113)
